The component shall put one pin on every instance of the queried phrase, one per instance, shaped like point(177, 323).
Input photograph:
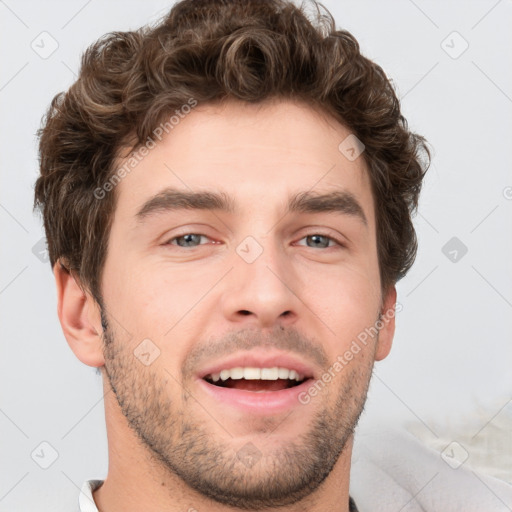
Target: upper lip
point(259, 359)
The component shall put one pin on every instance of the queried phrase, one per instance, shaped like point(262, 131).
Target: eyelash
point(329, 237)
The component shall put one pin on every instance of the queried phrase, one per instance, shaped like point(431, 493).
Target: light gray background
point(452, 352)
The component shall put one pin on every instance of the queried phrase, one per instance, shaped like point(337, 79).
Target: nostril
point(244, 312)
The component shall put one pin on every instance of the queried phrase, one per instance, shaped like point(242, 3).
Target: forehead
point(250, 152)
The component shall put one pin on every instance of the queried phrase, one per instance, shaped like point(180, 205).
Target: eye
point(319, 241)
point(187, 240)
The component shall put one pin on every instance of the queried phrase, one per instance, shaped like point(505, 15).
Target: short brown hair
point(216, 50)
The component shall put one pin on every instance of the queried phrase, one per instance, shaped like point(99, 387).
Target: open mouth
point(256, 379)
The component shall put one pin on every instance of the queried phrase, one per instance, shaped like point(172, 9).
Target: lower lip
point(266, 402)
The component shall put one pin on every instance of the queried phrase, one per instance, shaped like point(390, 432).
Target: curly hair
point(211, 51)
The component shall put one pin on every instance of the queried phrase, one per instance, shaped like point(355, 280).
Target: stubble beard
point(185, 446)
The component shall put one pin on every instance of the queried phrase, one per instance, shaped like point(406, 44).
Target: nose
point(260, 293)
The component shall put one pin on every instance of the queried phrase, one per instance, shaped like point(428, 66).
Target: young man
point(227, 199)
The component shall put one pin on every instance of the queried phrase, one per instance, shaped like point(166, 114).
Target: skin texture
point(171, 446)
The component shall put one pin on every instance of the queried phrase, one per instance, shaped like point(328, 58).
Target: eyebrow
point(172, 199)
point(304, 202)
point(332, 202)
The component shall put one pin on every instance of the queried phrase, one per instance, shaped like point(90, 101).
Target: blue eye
point(187, 240)
point(316, 240)
point(319, 241)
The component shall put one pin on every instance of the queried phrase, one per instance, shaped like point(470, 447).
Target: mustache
point(289, 340)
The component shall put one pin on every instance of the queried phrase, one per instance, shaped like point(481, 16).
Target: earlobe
point(79, 317)
point(386, 325)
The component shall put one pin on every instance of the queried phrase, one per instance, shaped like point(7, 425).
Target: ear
point(387, 330)
point(80, 318)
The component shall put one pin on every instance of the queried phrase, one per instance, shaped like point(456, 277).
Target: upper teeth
point(251, 373)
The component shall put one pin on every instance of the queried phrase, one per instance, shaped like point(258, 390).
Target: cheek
point(345, 299)
point(156, 300)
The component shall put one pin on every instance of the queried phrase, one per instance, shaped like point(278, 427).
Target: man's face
point(264, 283)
